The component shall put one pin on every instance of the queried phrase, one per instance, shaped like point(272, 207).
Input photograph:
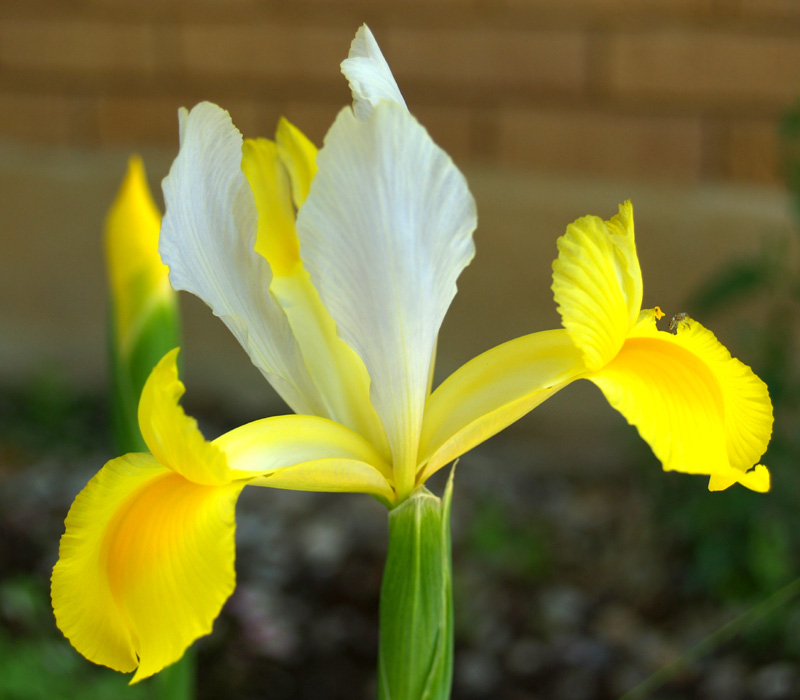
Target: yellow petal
point(332, 476)
point(299, 156)
point(307, 453)
point(597, 284)
point(757, 479)
point(145, 564)
point(137, 276)
point(492, 391)
point(276, 239)
point(701, 411)
point(171, 435)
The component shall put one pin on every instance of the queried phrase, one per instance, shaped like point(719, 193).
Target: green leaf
point(415, 656)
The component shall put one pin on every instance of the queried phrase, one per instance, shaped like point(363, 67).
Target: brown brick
point(252, 118)
point(265, 50)
point(753, 151)
point(41, 119)
point(705, 66)
point(83, 117)
point(312, 118)
point(771, 8)
point(485, 56)
point(70, 45)
point(591, 143)
point(154, 120)
point(592, 9)
point(450, 127)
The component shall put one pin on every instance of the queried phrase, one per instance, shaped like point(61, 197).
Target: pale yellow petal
point(336, 370)
point(333, 476)
point(307, 453)
point(299, 157)
point(597, 284)
point(280, 441)
point(145, 564)
point(492, 391)
point(276, 239)
point(171, 435)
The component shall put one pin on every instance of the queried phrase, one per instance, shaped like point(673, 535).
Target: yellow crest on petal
point(597, 283)
point(171, 435)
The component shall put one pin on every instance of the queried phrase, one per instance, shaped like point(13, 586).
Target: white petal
point(207, 241)
point(369, 75)
point(385, 232)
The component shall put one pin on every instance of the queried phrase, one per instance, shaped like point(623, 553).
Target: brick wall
point(684, 90)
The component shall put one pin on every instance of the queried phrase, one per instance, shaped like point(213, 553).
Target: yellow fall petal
point(597, 284)
point(757, 479)
point(699, 409)
point(145, 564)
point(746, 403)
point(137, 276)
point(492, 391)
point(171, 435)
point(147, 558)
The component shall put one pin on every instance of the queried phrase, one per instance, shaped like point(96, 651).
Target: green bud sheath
point(159, 332)
point(415, 655)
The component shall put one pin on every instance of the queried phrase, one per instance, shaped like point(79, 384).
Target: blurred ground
point(569, 585)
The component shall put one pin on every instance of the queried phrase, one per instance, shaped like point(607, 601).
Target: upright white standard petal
point(369, 75)
point(208, 242)
point(385, 232)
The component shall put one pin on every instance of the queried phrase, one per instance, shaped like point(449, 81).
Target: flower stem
point(415, 655)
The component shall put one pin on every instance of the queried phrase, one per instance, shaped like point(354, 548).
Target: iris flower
point(334, 270)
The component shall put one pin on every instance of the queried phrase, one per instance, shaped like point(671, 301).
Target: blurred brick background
point(683, 90)
point(553, 108)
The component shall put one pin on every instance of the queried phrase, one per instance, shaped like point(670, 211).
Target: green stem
point(415, 654)
point(177, 682)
